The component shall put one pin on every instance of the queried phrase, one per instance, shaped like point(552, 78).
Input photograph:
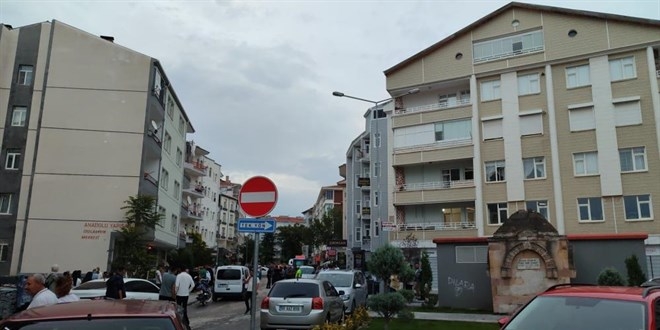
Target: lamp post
point(376, 103)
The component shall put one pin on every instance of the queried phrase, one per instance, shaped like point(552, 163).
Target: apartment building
point(531, 107)
point(329, 198)
point(366, 188)
point(84, 124)
point(230, 212)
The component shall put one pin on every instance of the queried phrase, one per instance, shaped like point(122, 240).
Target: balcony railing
point(435, 106)
point(366, 211)
point(364, 182)
point(436, 145)
point(436, 185)
point(435, 226)
point(151, 179)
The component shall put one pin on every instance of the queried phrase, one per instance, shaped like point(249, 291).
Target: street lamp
point(340, 94)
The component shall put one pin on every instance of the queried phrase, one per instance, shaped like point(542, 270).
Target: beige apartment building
point(531, 107)
point(84, 124)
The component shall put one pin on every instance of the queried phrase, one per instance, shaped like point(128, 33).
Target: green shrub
point(635, 275)
point(406, 314)
point(610, 276)
point(387, 305)
point(430, 301)
point(409, 295)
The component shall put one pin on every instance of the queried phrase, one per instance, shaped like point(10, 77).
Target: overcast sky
point(256, 77)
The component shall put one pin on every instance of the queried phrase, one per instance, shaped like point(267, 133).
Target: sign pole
point(253, 307)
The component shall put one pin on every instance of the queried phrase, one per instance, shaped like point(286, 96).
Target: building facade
point(81, 131)
point(531, 107)
point(230, 212)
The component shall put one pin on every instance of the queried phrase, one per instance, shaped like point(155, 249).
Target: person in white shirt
point(183, 286)
point(41, 296)
point(63, 286)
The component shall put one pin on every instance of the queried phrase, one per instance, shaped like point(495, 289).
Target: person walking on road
point(183, 285)
point(167, 287)
point(114, 286)
point(269, 276)
point(247, 291)
point(41, 296)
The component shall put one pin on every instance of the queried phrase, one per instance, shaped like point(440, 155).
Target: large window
point(358, 234)
point(581, 119)
point(622, 68)
point(495, 171)
point(167, 143)
point(577, 76)
point(492, 129)
point(585, 163)
point(534, 167)
point(627, 113)
point(13, 160)
point(471, 254)
point(490, 90)
point(5, 203)
point(497, 213)
point(638, 207)
point(508, 46)
point(453, 130)
point(164, 179)
point(179, 156)
point(590, 209)
point(632, 159)
point(538, 206)
point(18, 116)
point(25, 74)
point(529, 84)
point(376, 169)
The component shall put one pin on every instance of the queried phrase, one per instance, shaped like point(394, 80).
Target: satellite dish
point(154, 125)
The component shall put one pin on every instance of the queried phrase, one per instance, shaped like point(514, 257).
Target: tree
point(387, 305)
point(386, 261)
point(425, 277)
point(324, 230)
point(635, 275)
point(409, 247)
point(267, 248)
point(131, 248)
point(291, 239)
point(247, 249)
point(610, 276)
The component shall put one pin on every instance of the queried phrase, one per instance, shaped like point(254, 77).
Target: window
point(5, 203)
point(182, 123)
point(18, 116)
point(497, 213)
point(632, 159)
point(329, 194)
point(177, 190)
point(165, 178)
point(376, 198)
point(13, 160)
point(492, 129)
point(453, 130)
point(161, 211)
point(581, 119)
point(471, 254)
point(578, 76)
point(529, 84)
point(490, 90)
point(508, 46)
point(534, 167)
point(4, 252)
point(179, 156)
point(590, 209)
point(585, 163)
point(469, 173)
point(377, 140)
point(376, 228)
point(495, 171)
point(531, 124)
point(376, 169)
point(170, 107)
point(627, 113)
point(167, 142)
point(157, 83)
point(638, 207)
point(447, 100)
point(622, 68)
point(538, 206)
point(358, 207)
point(358, 234)
point(25, 74)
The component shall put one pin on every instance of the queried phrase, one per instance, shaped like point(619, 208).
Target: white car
point(136, 288)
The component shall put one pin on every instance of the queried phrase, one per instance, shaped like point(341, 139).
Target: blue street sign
point(247, 225)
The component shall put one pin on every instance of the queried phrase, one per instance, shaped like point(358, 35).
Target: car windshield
point(294, 290)
point(96, 324)
point(91, 286)
point(579, 313)
point(307, 270)
point(338, 280)
point(229, 274)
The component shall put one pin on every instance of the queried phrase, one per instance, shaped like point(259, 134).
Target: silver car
point(301, 304)
point(352, 282)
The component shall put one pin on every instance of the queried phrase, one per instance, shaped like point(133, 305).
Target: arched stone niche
point(550, 266)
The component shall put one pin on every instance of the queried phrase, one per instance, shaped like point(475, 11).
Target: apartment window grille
point(497, 213)
point(495, 171)
point(471, 254)
point(538, 206)
point(585, 163)
point(623, 68)
point(529, 84)
point(18, 116)
point(578, 76)
point(510, 46)
point(25, 75)
point(534, 167)
point(632, 159)
point(5, 203)
point(590, 209)
point(638, 207)
point(490, 90)
point(13, 159)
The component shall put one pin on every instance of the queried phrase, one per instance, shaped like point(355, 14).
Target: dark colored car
point(98, 315)
point(588, 307)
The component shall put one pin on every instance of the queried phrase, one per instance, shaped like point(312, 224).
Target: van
point(229, 281)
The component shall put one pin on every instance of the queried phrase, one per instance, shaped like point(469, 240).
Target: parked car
point(301, 304)
point(579, 306)
point(229, 281)
point(307, 271)
point(136, 288)
point(352, 282)
point(98, 315)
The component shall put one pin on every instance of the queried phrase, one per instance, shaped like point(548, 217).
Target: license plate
point(220, 285)
point(290, 308)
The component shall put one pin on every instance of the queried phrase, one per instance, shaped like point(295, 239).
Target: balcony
point(366, 211)
point(434, 192)
point(435, 106)
point(150, 178)
point(437, 226)
point(364, 182)
point(194, 169)
point(191, 212)
point(440, 151)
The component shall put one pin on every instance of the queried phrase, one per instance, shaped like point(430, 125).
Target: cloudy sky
point(256, 77)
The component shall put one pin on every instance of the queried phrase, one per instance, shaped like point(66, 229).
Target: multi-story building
point(229, 213)
point(366, 188)
point(210, 203)
point(330, 198)
point(531, 107)
point(194, 191)
point(84, 124)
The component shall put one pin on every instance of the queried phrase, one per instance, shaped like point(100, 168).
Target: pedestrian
point(41, 296)
point(76, 277)
point(63, 286)
point(247, 291)
point(269, 276)
point(114, 286)
point(159, 275)
point(184, 285)
point(52, 276)
point(298, 273)
point(95, 273)
point(167, 287)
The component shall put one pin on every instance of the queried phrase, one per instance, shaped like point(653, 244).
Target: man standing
point(269, 276)
point(159, 275)
point(50, 279)
point(167, 287)
point(114, 286)
point(183, 285)
point(41, 296)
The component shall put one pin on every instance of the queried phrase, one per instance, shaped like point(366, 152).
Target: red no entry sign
point(258, 196)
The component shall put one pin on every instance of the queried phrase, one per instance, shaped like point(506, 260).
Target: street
point(223, 314)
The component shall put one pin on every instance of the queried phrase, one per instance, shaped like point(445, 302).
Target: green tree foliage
point(326, 229)
point(635, 274)
point(425, 277)
point(247, 249)
point(267, 249)
point(194, 254)
point(386, 261)
point(131, 249)
point(387, 305)
point(291, 239)
point(409, 247)
point(610, 276)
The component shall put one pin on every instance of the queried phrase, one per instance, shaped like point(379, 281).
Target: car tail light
point(317, 303)
point(265, 303)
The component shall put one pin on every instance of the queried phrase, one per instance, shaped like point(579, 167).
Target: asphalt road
point(223, 314)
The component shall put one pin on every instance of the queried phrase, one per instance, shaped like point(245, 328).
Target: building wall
point(611, 254)
point(462, 285)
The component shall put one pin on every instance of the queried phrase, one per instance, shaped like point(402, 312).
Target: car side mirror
point(503, 321)
point(341, 292)
point(358, 285)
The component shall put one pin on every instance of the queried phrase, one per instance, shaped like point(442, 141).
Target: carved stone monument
point(526, 255)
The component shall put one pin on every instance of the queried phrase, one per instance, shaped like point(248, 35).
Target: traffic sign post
point(257, 225)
